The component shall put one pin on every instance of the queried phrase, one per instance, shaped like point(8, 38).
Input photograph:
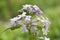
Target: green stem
point(31, 36)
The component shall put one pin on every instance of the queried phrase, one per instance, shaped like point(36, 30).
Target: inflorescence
point(32, 21)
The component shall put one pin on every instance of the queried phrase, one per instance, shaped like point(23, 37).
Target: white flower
point(47, 38)
point(33, 28)
point(27, 7)
point(45, 22)
point(37, 10)
point(15, 18)
point(24, 29)
point(28, 18)
point(45, 25)
point(40, 37)
point(44, 31)
point(23, 14)
point(36, 7)
point(19, 16)
point(44, 38)
point(31, 9)
point(14, 21)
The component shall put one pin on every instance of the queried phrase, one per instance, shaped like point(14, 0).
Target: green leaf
point(15, 27)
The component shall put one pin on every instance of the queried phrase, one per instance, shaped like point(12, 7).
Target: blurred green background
point(9, 9)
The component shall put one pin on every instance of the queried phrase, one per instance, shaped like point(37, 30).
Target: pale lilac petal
point(37, 10)
point(28, 18)
point(23, 28)
point(33, 28)
point(14, 21)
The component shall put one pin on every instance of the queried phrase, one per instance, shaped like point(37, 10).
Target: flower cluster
point(29, 23)
point(31, 9)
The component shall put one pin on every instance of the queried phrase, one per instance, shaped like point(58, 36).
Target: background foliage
point(9, 9)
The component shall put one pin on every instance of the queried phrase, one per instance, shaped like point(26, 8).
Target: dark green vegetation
point(9, 8)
